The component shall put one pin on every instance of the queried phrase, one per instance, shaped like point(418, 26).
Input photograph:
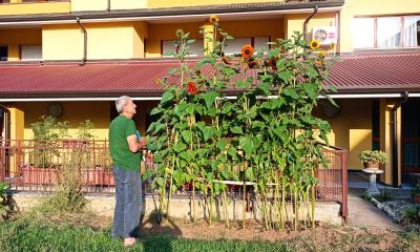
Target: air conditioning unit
point(325, 34)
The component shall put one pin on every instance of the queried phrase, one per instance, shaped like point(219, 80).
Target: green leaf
point(249, 175)
point(221, 144)
point(167, 96)
point(186, 136)
point(247, 145)
point(155, 111)
point(179, 147)
point(237, 130)
point(210, 97)
point(207, 132)
point(291, 92)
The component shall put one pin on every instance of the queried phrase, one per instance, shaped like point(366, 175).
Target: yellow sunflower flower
point(314, 44)
point(213, 19)
point(322, 54)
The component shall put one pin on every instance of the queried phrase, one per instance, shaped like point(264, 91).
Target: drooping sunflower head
point(179, 33)
point(247, 51)
point(192, 87)
point(314, 44)
point(213, 19)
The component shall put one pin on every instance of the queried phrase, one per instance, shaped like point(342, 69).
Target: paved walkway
point(363, 213)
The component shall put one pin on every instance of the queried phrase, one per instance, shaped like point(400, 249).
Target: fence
point(38, 166)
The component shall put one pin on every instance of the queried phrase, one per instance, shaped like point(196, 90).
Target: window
point(3, 53)
point(196, 48)
point(386, 32)
point(31, 53)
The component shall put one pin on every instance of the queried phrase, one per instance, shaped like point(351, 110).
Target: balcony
point(30, 7)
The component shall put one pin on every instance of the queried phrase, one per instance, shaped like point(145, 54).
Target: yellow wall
point(141, 33)
point(15, 38)
point(351, 128)
point(295, 23)
point(386, 138)
point(104, 41)
point(354, 8)
point(272, 28)
point(62, 42)
point(99, 113)
point(175, 3)
point(93, 5)
point(34, 8)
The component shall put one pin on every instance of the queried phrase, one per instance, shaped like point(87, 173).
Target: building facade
point(71, 59)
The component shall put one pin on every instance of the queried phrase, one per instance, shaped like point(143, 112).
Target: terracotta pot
point(370, 165)
point(417, 198)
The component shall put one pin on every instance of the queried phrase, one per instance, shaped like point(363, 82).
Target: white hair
point(120, 102)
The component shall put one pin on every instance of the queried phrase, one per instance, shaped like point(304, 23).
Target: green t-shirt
point(122, 127)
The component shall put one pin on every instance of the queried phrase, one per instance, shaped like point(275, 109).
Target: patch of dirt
point(323, 238)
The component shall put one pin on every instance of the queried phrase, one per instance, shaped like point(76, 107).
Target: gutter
point(156, 96)
point(395, 181)
point(82, 63)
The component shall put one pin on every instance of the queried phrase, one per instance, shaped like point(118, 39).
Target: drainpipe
point(395, 139)
point(305, 24)
point(108, 9)
point(82, 63)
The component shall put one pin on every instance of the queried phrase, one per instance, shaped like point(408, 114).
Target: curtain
point(411, 129)
point(411, 31)
point(389, 32)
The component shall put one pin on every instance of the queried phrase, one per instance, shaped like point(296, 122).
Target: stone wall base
point(327, 212)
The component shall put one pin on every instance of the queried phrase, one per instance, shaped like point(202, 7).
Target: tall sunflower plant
point(266, 137)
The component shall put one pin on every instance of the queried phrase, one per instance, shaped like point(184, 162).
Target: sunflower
point(227, 60)
point(322, 54)
point(247, 51)
point(192, 87)
point(213, 19)
point(314, 44)
point(179, 33)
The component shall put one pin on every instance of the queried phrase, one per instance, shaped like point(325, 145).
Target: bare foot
point(129, 241)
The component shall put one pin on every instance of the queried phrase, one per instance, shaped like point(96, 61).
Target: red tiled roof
point(377, 73)
point(92, 79)
point(361, 74)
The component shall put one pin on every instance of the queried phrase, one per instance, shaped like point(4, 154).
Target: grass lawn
point(60, 233)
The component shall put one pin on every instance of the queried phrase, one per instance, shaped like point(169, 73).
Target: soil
point(324, 238)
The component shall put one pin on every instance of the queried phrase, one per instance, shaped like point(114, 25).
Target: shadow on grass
point(157, 234)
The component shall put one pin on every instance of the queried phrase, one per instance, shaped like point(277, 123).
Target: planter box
point(98, 177)
point(39, 176)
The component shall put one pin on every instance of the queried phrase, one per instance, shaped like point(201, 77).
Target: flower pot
point(39, 176)
point(371, 165)
point(416, 198)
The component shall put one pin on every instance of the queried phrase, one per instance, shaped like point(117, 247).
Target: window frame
point(376, 42)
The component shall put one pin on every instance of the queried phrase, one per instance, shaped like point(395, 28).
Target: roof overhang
point(355, 77)
point(177, 14)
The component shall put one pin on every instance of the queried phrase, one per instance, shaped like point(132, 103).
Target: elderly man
point(125, 148)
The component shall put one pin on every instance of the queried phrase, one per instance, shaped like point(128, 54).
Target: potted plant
point(373, 158)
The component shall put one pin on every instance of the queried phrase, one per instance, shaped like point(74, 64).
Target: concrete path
point(364, 214)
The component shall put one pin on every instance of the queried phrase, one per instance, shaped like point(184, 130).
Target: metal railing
point(39, 165)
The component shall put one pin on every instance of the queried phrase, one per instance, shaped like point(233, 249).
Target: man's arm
point(135, 145)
